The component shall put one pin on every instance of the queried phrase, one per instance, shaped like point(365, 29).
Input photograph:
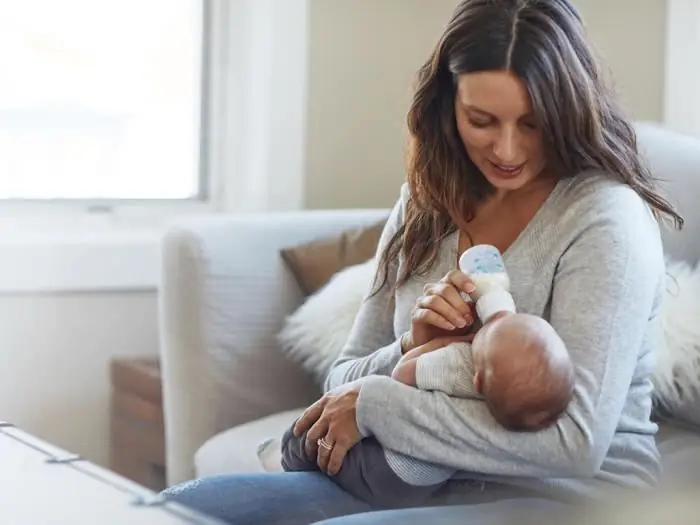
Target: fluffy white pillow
point(677, 374)
point(316, 332)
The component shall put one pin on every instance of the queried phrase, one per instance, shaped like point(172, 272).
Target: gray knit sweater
point(591, 263)
point(449, 370)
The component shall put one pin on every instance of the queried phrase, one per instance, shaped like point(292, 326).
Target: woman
point(516, 142)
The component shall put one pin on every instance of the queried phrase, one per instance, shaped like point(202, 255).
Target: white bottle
point(484, 265)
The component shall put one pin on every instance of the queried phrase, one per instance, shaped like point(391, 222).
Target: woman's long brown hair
point(543, 42)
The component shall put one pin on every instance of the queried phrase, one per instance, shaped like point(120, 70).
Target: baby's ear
point(541, 420)
point(477, 382)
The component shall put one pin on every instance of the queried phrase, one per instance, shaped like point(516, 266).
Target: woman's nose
point(506, 147)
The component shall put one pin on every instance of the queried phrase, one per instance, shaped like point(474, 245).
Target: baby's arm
point(429, 370)
point(405, 369)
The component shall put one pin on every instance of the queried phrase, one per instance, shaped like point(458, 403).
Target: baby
point(516, 364)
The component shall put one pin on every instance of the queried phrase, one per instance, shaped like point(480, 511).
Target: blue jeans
point(304, 498)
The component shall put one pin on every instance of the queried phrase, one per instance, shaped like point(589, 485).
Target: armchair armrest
point(224, 295)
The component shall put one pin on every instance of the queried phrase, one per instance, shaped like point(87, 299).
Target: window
point(101, 101)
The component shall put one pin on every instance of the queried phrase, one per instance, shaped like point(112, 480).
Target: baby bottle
point(484, 265)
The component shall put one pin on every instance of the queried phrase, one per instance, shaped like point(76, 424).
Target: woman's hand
point(332, 427)
point(441, 311)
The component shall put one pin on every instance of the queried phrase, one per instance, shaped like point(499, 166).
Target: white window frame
point(84, 247)
point(87, 212)
point(255, 99)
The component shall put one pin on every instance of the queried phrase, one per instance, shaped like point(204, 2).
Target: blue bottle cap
point(481, 259)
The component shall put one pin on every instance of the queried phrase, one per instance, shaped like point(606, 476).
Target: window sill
point(79, 260)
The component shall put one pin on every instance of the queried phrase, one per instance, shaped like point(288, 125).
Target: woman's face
point(498, 129)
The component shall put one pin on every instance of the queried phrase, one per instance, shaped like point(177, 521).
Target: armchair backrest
point(675, 162)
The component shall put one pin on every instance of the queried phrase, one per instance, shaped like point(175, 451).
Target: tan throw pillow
point(314, 263)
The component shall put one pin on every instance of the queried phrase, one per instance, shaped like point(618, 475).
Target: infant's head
point(523, 370)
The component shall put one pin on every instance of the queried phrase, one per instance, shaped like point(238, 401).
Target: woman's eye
point(530, 125)
point(478, 123)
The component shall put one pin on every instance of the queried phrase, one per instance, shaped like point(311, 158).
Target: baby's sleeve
point(447, 370)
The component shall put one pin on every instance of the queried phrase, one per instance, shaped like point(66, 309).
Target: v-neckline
point(532, 223)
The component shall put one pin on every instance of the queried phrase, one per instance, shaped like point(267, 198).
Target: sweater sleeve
point(603, 296)
point(446, 370)
point(372, 346)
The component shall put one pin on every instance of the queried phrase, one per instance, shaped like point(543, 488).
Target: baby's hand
point(405, 372)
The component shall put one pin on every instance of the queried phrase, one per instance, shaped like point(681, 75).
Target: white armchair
point(226, 291)
point(224, 295)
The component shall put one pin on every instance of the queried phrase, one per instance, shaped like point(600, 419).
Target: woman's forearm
point(462, 434)
point(350, 367)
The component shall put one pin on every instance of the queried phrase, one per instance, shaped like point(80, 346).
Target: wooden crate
point(137, 430)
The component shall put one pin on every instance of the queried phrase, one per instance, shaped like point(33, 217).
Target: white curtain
point(260, 96)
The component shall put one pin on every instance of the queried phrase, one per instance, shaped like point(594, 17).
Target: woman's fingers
point(336, 458)
point(443, 307)
point(460, 281)
point(316, 432)
point(430, 317)
point(331, 454)
point(309, 417)
point(325, 449)
point(445, 300)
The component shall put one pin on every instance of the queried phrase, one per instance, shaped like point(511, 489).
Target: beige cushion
point(235, 450)
point(314, 263)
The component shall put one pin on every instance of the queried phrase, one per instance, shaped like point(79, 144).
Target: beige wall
point(362, 61)
point(363, 58)
point(630, 35)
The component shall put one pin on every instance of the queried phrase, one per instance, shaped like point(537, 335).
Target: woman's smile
point(506, 171)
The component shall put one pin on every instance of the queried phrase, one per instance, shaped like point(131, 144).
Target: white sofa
point(225, 293)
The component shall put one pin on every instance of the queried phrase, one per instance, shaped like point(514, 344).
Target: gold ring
point(321, 442)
